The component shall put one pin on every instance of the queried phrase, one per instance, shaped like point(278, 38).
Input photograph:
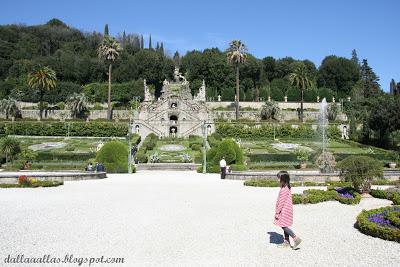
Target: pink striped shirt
point(284, 208)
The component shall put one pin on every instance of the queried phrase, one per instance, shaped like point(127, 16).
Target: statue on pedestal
point(148, 97)
point(201, 96)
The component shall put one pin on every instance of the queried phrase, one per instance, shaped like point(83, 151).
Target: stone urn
point(392, 165)
point(303, 165)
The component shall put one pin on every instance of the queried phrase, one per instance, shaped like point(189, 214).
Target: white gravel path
point(181, 219)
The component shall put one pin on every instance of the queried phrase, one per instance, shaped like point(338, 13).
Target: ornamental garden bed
point(345, 195)
point(25, 181)
point(382, 223)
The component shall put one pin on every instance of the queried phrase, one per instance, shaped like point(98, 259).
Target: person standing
point(284, 210)
point(222, 165)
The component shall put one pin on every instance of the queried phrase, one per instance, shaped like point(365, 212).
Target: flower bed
point(347, 195)
point(383, 223)
point(24, 181)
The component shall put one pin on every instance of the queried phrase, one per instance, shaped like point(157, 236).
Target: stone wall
point(285, 115)
point(258, 105)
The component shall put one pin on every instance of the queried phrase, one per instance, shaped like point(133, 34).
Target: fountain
point(325, 161)
point(323, 122)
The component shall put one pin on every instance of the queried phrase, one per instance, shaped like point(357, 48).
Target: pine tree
point(369, 79)
point(162, 48)
point(354, 57)
point(141, 41)
point(150, 46)
point(106, 30)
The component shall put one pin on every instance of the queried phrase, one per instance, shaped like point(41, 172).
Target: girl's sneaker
point(285, 244)
point(297, 242)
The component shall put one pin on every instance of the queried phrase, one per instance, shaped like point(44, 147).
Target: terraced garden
point(270, 154)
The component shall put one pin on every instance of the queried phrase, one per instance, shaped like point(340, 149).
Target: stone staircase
point(167, 166)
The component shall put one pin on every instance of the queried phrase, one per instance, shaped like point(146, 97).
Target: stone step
point(167, 166)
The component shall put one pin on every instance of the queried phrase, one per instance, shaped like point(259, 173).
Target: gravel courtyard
point(181, 219)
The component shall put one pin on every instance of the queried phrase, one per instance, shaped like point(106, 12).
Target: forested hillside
point(72, 54)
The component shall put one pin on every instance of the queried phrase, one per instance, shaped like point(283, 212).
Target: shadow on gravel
point(275, 238)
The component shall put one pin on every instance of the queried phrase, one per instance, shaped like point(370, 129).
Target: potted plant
point(302, 155)
point(394, 158)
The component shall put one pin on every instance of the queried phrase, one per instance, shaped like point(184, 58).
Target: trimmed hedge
point(393, 196)
point(55, 128)
point(265, 131)
point(275, 183)
point(114, 156)
point(374, 229)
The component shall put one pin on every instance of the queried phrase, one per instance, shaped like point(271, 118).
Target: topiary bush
point(114, 156)
point(382, 223)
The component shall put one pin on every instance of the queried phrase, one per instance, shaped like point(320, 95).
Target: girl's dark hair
point(284, 178)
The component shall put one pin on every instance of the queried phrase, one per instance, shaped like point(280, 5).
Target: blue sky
point(308, 29)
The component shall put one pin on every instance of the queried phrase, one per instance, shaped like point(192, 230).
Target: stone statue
point(333, 99)
point(178, 76)
point(219, 98)
point(317, 99)
point(201, 96)
point(148, 97)
point(165, 82)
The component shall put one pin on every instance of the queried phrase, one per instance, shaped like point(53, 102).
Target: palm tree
point(301, 79)
point(9, 147)
point(109, 51)
point(237, 54)
point(43, 79)
point(9, 107)
point(77, 103)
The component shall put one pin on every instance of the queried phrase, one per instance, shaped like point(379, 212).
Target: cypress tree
point(162, 48)
point(177, 59)
point(141, 41)
point(123, 39)
point(157, 46)
point(150, 46)
point(393, 87)
point(106, 30)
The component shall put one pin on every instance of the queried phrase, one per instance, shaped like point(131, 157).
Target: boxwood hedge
point(56, 128)
point(378, 223)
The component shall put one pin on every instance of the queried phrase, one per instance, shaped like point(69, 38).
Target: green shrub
point(373, 229)
point(334, 132)
point(141, 157)
point(361, 171)
point(55, 128)
point(302, 154)
point(393, 196)
point(114, 156)
point(238, 167)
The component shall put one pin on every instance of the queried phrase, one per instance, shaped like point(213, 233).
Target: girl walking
point(284, 210)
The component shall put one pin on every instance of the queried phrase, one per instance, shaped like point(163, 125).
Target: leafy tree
point(43, 79)
point(9, 148)
point(360, 170)
point(114, 156)
point(109, 51)
point(338, 74)
point(237, 54)
point(78, 104)
point(300, 78)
